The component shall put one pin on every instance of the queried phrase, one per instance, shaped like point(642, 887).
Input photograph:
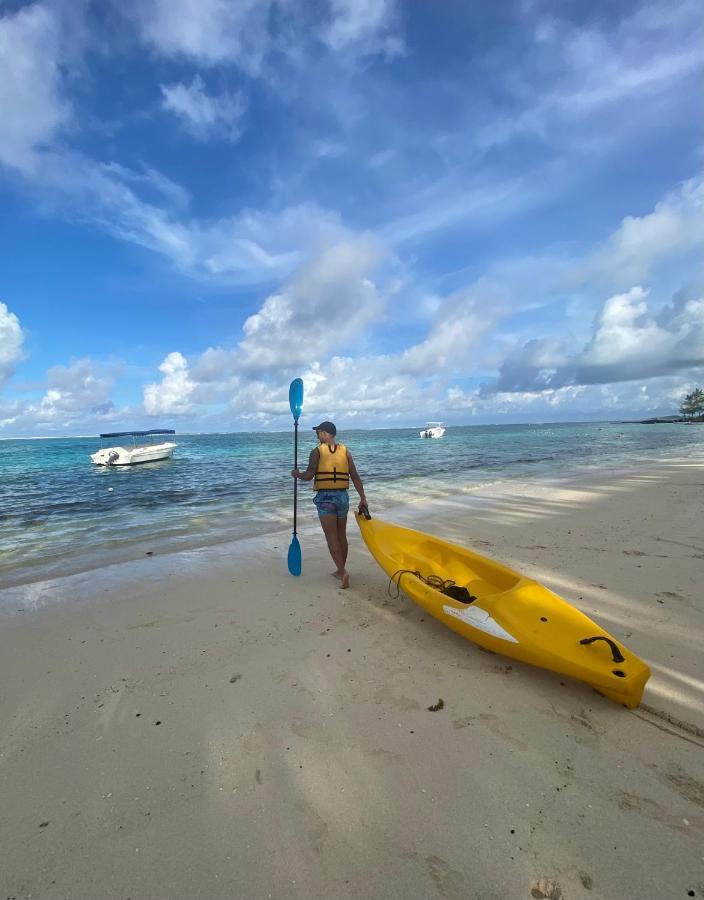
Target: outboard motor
point(112, 457)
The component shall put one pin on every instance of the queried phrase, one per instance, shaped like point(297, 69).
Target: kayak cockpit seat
point(458, 592)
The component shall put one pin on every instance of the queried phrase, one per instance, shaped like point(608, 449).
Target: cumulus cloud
point(629, 341)
point(74, 393)
point(31, 97)
point(328, 306)
point(367, 390)
point(210, 32)
point(460, 322)
point(11, 340)
point(204, 115)
point(327, 303)
point(172, 395)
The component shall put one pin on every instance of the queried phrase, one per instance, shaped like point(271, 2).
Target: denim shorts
point(332, 503)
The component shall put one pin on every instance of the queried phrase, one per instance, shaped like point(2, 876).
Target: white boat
point(137, 452)
point(433, 430)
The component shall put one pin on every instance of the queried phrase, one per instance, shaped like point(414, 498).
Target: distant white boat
point(136, 453)
point(433, 430)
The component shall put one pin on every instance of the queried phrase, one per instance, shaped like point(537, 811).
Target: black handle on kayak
point(364, 511)
point(615, 652)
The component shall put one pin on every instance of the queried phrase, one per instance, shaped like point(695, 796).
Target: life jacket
point(333, 472)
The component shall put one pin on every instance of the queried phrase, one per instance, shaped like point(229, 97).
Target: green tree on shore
point(693, 404)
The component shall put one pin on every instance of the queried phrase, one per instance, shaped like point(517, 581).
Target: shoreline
point(408, 510)
point(202, 724)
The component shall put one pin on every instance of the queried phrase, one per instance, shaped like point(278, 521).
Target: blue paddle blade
point(295, 397)
point(294, 557)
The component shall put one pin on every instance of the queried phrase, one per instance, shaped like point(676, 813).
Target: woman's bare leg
point(330, 529)
point(342, 538)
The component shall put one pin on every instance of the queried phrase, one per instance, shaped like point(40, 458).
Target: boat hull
point(130, 456)
point(511, 615)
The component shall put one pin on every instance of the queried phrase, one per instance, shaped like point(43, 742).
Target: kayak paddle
point(295, 399)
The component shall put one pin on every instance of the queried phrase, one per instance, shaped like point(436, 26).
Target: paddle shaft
point(295, 480)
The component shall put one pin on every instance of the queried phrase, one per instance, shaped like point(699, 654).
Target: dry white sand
point(203, 725)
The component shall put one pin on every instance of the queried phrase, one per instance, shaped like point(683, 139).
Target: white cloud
point(172, 395)
point(454, 200)
point(673, 228)
point(33, 108)
point(611, 67)
point(11, 340)
point(210, 32)
point(617, 76)
point(365, 26)
point(623, 330)
point(204, 115)
point(149, 210)
point(657, 396)
point(629, 341)
point(460, 324)
point(328, 303)
point(326, 307)
point(243, 33)
point(367, 390)
point(74, 393)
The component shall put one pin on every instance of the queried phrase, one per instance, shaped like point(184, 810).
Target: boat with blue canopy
point(137, 452)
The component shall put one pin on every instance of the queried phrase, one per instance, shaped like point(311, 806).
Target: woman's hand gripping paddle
point(295, 399)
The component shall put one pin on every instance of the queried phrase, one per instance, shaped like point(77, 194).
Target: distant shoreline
point(665, 420)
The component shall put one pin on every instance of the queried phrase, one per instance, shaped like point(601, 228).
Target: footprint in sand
point(676, 777)
point(669, 595)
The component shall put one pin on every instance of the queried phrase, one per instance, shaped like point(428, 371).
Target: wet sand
point(203, 725)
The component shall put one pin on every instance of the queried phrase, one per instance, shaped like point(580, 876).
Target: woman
point(331, 465)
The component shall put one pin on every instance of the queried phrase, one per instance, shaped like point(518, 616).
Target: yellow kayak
point(503, 611)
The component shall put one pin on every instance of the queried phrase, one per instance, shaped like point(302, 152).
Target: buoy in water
point(110, 490)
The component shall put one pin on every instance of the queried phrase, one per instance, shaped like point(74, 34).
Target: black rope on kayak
point(396, 579)
point(444, 585)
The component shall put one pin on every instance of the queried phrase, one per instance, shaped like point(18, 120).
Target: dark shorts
point(332, 503)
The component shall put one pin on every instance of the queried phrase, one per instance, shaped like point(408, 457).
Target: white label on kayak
point(480, 618)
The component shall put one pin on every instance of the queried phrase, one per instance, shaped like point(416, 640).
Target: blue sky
point(483, 212)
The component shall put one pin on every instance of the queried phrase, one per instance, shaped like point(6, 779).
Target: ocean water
point(58, 516)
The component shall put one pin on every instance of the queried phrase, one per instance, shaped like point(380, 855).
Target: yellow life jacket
point(333, 472)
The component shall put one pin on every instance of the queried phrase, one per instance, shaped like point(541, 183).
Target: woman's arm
point(309, 473)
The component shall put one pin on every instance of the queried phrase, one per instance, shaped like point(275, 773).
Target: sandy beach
point(203, 725)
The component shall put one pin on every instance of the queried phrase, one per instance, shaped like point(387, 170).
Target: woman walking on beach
point(332, 467)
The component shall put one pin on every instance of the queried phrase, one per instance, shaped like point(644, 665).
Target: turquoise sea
point(58, 516)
